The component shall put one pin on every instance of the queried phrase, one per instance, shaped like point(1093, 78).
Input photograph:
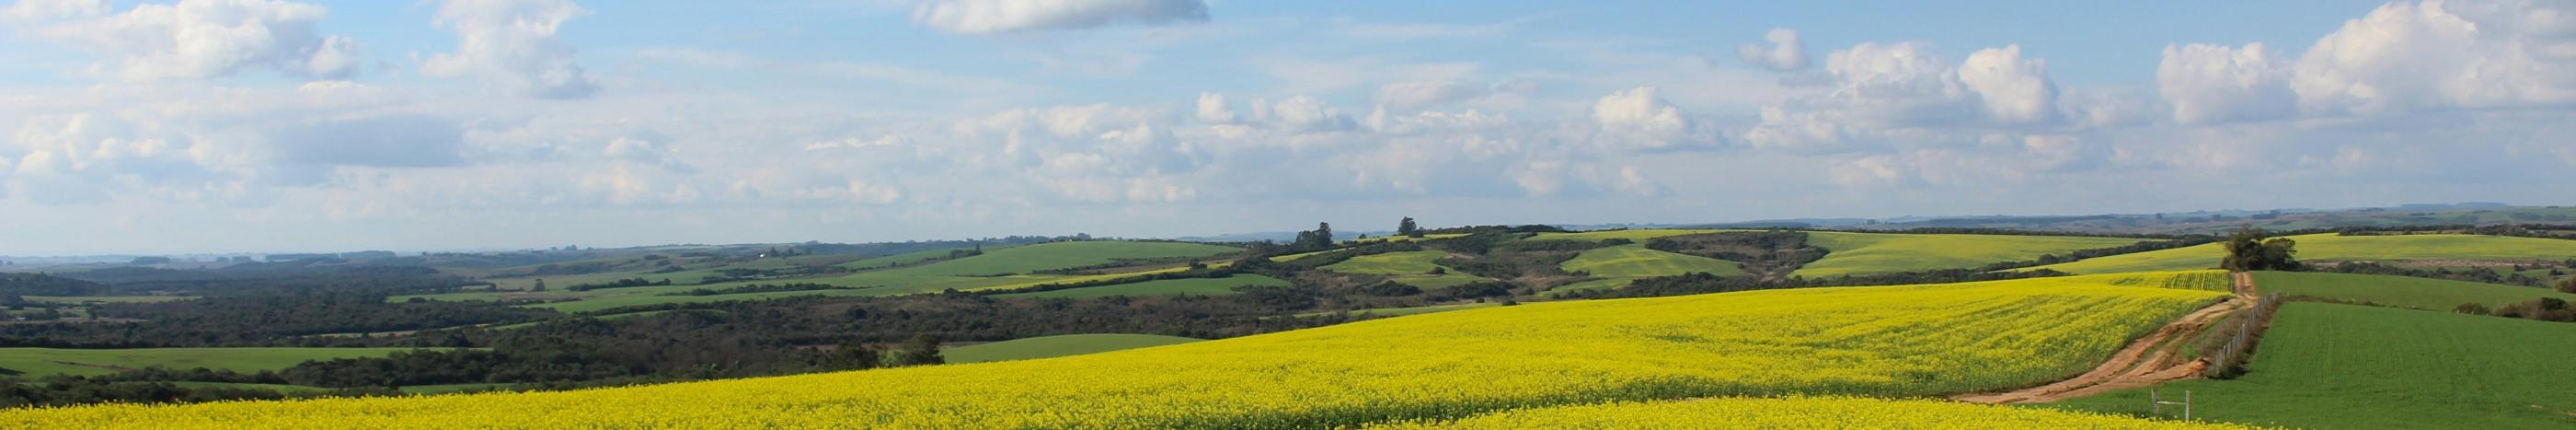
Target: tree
point(1407, 228)
point(922, 350)
point(2247, 250)
point(540, 285)
point(1319, 238)
point(855, 355)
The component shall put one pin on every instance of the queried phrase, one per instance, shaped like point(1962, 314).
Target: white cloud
point(2442, 54)
point(2402, 57)
point(512, 42)
point(2013, 90)
point(1213, 110)
point(1901, 84)
point(33, 10)
point(1011, 16)
point(2210, 83)
point(1640, 111)
point(1416, 95)
point(1786, 52)
point(1305, 114)
point(858, 142)
point(196, 39)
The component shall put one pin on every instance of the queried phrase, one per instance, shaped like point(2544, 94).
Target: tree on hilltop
point(2247, 250)
point(1408, 229)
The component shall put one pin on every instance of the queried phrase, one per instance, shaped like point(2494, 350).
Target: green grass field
point(2343, 366)
point(1191, 286)
point(2331, 247)
point(1392, 263)
point(1860, 253)
point(1056, 346)
point(1634, 260)
point(1409, 267)
point(905, 258)
point(1417, 310)
point(1059, 255)
point(960, 274)
point(1587, 285)
point(2399, 291)
point(1639, 235)
point(84, 362)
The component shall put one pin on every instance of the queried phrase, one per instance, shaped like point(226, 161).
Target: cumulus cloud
point(513, 42)
point(2402, 57)
point(2013, 90)
point(196, 39)
point(1785, 52)
point(2443, 54)
point(1639, 110)
point(1012, 16)
point(1302, 114)
point(1416, 95)
point(2210, 83)
point(1213, 110)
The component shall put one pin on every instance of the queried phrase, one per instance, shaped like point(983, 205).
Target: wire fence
point(2230, 359)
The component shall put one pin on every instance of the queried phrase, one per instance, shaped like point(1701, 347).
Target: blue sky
point(263, 125)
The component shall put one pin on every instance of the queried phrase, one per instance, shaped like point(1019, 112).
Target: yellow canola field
point(1798, 413)
point(1906, 341)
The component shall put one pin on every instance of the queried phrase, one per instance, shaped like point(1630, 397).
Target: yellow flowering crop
point(1797, 413)
point(1906, 341)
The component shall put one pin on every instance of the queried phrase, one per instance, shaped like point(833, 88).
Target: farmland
point(2331, 247)
point(1001, 268)
point(1410, 267)
point(2343, 366)
point(51, 361)
point(1057, 346)
point(1197, 286)
point(1636, 235)
point(1875, 341)
point(1634, 260)
point(1858, 253)
point(2405, 292)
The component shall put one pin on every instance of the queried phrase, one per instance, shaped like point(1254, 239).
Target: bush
point(2471, 309)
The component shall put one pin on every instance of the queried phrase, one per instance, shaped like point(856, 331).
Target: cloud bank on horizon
point(239, 125)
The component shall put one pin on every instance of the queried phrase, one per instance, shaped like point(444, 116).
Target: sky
point(139, 127)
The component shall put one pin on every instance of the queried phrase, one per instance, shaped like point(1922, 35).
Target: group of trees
point(2248, 250)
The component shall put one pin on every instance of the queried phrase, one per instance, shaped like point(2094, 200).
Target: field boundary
point(2149, 360)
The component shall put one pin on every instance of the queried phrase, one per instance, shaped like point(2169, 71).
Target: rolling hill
point(2332, 247)
point(1634, 260)
point(1905, 341)
point(1860, 253)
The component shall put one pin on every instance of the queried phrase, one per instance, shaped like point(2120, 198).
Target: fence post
point(2156, 397)
point(2186, 405)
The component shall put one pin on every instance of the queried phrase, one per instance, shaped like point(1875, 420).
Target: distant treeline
point(260, 320)
point(287, 278)
point(38, 284)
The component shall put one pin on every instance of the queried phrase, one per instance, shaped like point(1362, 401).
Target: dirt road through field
point(2148, 361)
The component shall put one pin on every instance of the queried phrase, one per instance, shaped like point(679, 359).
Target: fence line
point(2230, 359)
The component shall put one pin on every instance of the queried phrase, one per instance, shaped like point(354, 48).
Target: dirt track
point(2146, 361)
